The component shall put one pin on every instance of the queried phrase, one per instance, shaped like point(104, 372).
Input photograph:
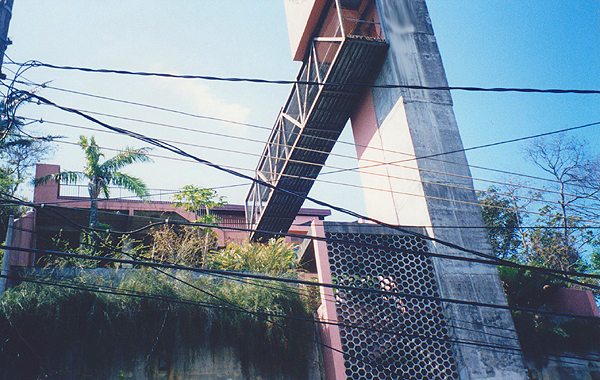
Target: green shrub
point(542, 332)
point(274, 258)
point(47, 329)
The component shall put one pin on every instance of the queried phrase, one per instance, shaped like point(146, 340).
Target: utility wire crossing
point(35, 63)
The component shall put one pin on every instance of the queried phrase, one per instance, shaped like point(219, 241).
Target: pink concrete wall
point(49, 191)
point(23, 236)
point(574, 301)
point(333, 361)
point(369, 151)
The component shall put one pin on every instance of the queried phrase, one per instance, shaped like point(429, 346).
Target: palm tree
point(101, 175)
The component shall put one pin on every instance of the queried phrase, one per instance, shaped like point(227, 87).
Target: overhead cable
point(34, 63)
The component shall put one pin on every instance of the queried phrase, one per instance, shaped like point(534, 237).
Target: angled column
point(391, 128)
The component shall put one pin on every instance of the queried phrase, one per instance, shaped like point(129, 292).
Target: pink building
point(68, 204)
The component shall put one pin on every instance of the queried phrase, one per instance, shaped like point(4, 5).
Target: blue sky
point(507, 43)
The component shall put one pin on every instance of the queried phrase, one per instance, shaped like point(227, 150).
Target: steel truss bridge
point(345, 54)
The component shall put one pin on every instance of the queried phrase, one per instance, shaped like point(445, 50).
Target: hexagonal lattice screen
point(416, 347)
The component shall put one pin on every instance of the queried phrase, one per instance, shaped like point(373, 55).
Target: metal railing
point(116, 193)
point(346, 21)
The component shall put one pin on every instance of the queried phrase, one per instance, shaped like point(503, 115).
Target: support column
point(333, 361)
point(391, 127)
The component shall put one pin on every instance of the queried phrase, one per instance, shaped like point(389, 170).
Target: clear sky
point(486, 43)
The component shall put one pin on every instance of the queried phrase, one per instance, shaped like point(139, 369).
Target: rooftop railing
point(116, 193)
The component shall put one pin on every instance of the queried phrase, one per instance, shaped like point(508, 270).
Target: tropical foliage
point(78, 326)
point(549, 231)
point(183, 245)
point(541, 332)
point(101, 173)
point(276, 257)
point(200, 201)
point(20, 150)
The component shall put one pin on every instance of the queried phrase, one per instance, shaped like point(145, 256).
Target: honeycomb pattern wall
point(417, 347)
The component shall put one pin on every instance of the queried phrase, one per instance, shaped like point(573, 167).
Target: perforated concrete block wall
point(389, 336)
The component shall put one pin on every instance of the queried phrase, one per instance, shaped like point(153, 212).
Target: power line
point(302, 282)
point(377, 189)
point(129, 293)
point(357, 186)
point(455, 326)
point(346, 169)
point(34, 63)
point(183, 153)
point(179, 151)
point(117, 291)
point(343, 142)
point(316, 137)
point(487, 259)
point(412, 156)
point(338, 169)
point(378, 163)
point(485, 145)
point(491, 260)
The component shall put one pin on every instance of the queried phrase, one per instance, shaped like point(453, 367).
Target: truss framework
point(347, 50)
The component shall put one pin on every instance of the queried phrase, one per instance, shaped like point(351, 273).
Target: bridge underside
point(345, 56)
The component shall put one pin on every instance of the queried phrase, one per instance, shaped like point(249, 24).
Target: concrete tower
point(399, 135)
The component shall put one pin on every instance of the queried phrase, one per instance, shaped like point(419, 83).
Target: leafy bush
point(274, 258)
point(542, 332)
point(183, 245)
point(91, 243)
point(47, 331)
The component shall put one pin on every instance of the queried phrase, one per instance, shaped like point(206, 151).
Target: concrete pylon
point(393, 126)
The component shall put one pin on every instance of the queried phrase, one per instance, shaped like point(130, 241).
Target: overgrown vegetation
point(101, 173)
point(540, 332)
point(91, 243)
point(48, 330)
point(548, 224)
point(183, 245)
point(274, 258)
point(21, 148)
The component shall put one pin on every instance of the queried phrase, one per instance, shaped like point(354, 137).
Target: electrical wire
point(458, 201)
point(468, 329)
point(491, 261)
point(384, 150)
point(162, 221)
point(258, 181)
point(362, 327)
point(328, 139)
point(376, 162)
point(34, 63)
point(220, 149)
point(179, 151)
point(380, 292)
point(117, 291)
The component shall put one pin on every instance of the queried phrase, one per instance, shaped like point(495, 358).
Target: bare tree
point(575, 183)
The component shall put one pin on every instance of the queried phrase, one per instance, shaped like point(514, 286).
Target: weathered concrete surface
point(214, 364)
point(565, 366)
point(436, 192)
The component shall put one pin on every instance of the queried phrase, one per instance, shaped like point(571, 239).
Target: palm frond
point(105, 190)
point(92, 155)
point(64, 176)
point(133, 184)
point(126, 157)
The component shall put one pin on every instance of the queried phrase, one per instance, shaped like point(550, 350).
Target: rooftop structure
point(123, 212)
